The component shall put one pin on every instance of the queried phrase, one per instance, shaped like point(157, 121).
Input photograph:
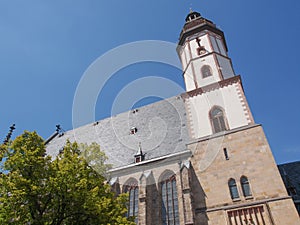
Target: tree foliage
point(66, 190)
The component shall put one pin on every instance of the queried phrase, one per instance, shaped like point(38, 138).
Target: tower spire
point(203, 52)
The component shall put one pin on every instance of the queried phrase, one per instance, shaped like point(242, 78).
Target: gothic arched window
point(218, 119)
point(233, 189)
point(170, 213)
point(245, 186)
point(206, 71)
point(131, 187)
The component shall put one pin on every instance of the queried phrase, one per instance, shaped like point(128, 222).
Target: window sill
point(236, 199)
point(249, 197)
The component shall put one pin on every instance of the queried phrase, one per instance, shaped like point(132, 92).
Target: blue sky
point(46, 46)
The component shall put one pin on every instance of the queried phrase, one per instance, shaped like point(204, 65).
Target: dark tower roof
point(194, 23)
point(191, 16)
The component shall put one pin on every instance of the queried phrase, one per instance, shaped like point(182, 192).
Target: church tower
point(203, 49)
point(233, 176)
point(210, 81)
point(211, 84)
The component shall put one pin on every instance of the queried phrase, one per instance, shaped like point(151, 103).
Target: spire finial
point(191, 6)
point(140, 152)
point(139, 156)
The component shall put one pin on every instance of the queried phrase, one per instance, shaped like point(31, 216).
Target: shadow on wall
point(199, 200)
point(151, 197)
point(153, 203)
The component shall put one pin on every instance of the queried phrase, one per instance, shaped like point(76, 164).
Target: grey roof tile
point(161, 129)
point(290, 173)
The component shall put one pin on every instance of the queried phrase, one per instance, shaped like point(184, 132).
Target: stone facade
point(248, 155)
point(203, 193)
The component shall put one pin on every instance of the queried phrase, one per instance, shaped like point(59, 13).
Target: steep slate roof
point(290, 173)
point(161, 129)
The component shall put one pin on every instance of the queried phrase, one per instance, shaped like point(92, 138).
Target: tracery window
point(170, 214)
point(217, 119)
point(206, 71)
point(133, 200)
point(233, 189)
point(245, 186)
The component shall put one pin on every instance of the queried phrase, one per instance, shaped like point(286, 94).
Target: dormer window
point(139, 156)
point(133, 130)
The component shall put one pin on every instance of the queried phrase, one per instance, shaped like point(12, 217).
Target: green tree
point(65, 190)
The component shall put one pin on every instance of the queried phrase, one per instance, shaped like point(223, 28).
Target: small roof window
point(133, 130)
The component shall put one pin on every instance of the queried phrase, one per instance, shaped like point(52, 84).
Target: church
point(197, 158)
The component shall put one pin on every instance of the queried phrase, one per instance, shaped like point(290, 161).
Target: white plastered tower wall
point(248, 153)
point(230, 97)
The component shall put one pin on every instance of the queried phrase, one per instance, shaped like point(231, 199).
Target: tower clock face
point(202, 52)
